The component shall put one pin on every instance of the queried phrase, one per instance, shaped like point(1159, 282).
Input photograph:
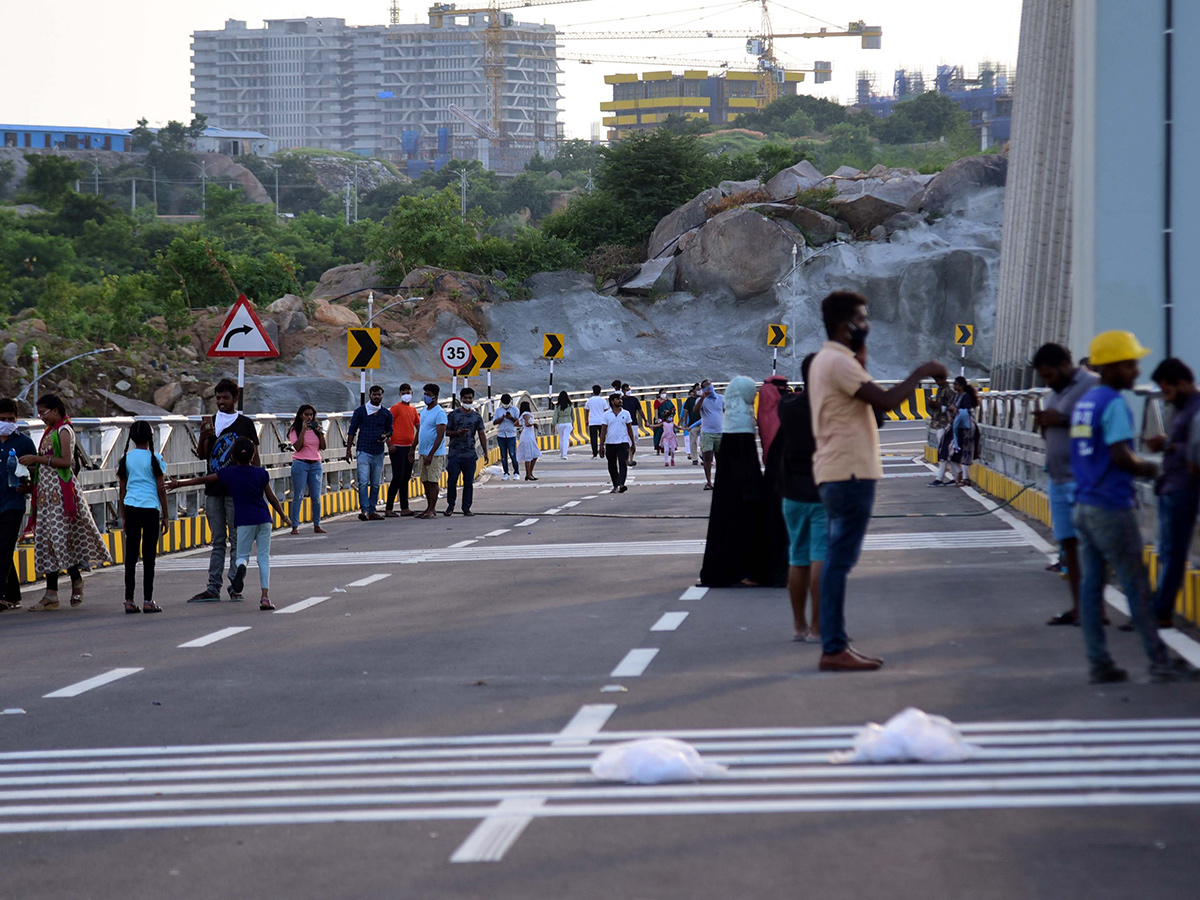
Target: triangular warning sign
point(242, 334)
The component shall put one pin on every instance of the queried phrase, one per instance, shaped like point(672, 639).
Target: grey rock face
point(862, 212)
point(287, 303)
point(791, 181)
point(563, 281)
point(692, 214)
point(729, 188)
point(952, 188)
point(817, 227)
point(168, 395)
point(292, 322)
point(188, 406)
point(738, 252)
point(657, 276)
point(344, 279)
point(9, 356)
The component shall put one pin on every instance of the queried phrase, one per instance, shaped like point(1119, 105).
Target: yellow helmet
point(1115, 346)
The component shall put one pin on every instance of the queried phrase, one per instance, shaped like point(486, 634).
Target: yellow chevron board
point(914, 408)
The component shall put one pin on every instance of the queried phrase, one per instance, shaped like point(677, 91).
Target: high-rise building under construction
point(385, 90)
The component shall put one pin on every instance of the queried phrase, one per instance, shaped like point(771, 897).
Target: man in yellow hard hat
point(1105, 466)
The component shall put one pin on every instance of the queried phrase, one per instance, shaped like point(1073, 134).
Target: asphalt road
point(419, 717)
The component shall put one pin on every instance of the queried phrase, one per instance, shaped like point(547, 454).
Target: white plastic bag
point(654, 761)
point(909, 736)
point(493, 470)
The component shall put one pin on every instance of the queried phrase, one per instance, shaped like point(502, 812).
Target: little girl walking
point(250, 488)
point(143, 508)
point(669, 442)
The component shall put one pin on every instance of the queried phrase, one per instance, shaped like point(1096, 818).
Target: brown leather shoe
point(847, 661)
point(861, 655)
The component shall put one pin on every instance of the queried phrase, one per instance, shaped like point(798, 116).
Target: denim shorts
point(807, 536)
point(1062, 507)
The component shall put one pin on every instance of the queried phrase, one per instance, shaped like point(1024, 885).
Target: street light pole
point(203, 187)
point(154, 185)
point(276, 168)
point(33, 385)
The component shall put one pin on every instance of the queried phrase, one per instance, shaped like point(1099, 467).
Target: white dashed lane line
point(634, 663)
point(693, 593)
point(497, 532)
point(569, 504)
point(370, 579)
point(669, 621)
point(74, 690)
point(215, 636)
point(303, 604)
point(462, 544)
point(525, 523)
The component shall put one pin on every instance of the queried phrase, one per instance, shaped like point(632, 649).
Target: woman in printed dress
point(64, 533)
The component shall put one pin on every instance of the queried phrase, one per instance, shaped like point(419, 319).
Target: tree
point(677, 123)
point(49, 178)
point(8, 169)
point(927, 117)
point(422, 231)
point(823, 114)
point(849, 145)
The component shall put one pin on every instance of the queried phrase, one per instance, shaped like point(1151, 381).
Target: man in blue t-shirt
point(1105, 466)
point(430, 449)
point(14, 486)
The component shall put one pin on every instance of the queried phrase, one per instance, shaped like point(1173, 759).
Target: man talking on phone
point(215, 446)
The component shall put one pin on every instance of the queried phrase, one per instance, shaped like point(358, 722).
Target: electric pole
point(347, 201)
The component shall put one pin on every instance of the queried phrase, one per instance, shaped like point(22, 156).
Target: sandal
point(266, 605)
point(76, 593)
point(150, 607)
point(1067, 618)
point(319, 530)
point(49, 601)
point(131, 607)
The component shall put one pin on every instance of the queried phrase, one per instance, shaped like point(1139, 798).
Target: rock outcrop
point(338, 316)
point(950, 189)
point(342, 280)
point(739, 253)
point(691, 215)
point(791, 181)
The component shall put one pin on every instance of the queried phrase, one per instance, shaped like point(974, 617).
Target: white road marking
point(933, 540)
point(553, 512)
point(74, 690)
point(497, 532)
point(1034, 539)
point(370, 579)
point(695, 592)
point(216, 636)
point(590, 497)
point(634, 663)
point(570, 503)
point(493, 837)
point(669, 621)
point(462, 544)
point(525, 523)
point(303, 604)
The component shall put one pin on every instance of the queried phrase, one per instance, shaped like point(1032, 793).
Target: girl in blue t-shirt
point(250, 488)
point(143, 507)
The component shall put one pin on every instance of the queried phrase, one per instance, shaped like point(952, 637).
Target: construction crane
point(761, 45)
point(821, 70)
point(493, 44)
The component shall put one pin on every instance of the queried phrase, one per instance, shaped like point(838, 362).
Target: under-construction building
point(386, 90)
point(986, 98)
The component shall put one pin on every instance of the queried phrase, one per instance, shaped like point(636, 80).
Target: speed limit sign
point(456, 353)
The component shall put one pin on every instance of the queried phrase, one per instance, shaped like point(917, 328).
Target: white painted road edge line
point(693, 593)
point(669, 621)
point(634, 663)
point(303, 604)
point(493, 837)
point(370, 579)
point(215, 636)
point(526, 522)
point(74, 690)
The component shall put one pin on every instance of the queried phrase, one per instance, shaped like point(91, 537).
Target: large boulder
point(561, 282)
point(949, 191)
point(287, 303)
point(432, 282)
point(338, 316)
point(729, 188)
point(691, 215)
point(738, 252)
point(342, 280)
point(862, 212)
point(845, 172)
point(167, 395)
point(818, 228)
point(292, 322)
point(657, 276)
point(790, 182)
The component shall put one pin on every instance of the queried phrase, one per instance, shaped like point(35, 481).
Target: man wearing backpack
point(217, 435)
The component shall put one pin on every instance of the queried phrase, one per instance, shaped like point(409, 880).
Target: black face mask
point(858, 336)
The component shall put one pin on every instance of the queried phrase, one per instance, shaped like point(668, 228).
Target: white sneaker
point(505, 478)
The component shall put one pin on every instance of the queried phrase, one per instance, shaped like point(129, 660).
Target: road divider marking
point(215, 636)
point(585, 724)
point(370, 579)
point(590, 497)
point(570, 504)
point(74, 690)
point(634, 663)
point(526, 523)
point(492, 837)
point(693, 593)
point(553, 512)
point(669, 621)
point(497, 532)
point(303, 604)
point(462, 544)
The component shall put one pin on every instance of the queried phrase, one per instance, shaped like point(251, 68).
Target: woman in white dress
point(527, 448)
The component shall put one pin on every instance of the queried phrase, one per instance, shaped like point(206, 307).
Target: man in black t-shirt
point(217, 434)
point(462, 426)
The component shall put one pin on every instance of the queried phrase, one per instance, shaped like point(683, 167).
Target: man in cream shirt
point(846, 465)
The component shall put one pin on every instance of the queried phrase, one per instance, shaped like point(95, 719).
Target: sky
point(80, 63)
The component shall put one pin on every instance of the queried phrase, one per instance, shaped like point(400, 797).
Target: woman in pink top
point(308, 439)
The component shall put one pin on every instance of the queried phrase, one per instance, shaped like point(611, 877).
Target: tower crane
point(761, 45)
point(821, 70)
point(493, 43)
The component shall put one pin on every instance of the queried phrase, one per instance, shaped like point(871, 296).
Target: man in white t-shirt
point(616, 433)
point(596, 407)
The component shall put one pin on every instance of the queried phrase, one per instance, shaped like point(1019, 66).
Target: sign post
point(488, 354)
point(964, 336)
point(240, 337)
point(776, 338)
point(455, 353)
point(362, 353)
point(552, 349)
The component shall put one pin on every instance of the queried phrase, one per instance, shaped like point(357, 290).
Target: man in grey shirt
point(1068, 383)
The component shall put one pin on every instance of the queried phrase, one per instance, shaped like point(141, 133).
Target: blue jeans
point(370, 475)
point(508, 450)
point(455, 466)
point(848, 506)
point(1176, 520)
point(306, 480)
point(1112, 536)
point(248, 534)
